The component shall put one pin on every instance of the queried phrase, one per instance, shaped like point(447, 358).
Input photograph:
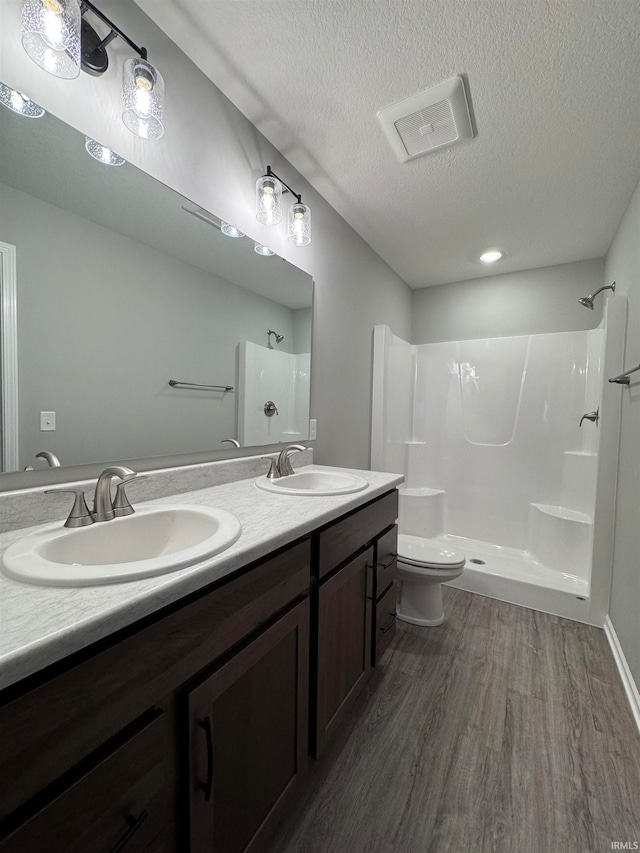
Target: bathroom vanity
point(191, 727)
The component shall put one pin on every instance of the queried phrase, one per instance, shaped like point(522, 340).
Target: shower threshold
point(515, 576)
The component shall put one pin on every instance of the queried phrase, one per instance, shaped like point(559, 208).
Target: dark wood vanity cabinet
point(248, 724)
point(354, 558)
point(189, 732)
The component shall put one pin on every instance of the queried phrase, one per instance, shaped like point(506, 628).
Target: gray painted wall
point(104, 322)
point(623, 265)
point(213, 155)
point(522, 303)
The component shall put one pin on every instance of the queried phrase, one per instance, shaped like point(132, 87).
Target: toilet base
point(420, 603)
point(424, 623)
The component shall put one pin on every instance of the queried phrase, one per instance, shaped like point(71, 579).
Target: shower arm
point(604, 287)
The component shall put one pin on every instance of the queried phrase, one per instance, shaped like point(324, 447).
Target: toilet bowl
point(423, 566)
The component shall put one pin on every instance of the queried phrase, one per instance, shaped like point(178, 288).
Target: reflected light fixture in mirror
point(229, 230)
point(51, 35)
point(19, 103)
point(103, 154)
point(260, 249)
point(491, 256)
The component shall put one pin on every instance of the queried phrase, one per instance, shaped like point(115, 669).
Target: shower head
point(587, 301)
point(279, 338)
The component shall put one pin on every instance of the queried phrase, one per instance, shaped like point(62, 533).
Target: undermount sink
point(152, 541)
point(319, 483)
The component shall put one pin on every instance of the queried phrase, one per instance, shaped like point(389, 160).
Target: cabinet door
point(344, 644)
point(248, 728)
point(121, 804)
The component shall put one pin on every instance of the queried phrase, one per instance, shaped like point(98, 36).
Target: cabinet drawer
point(344, 538)
point(48, 729)
point(120, 804)
point(385, 627)
point(386, 560)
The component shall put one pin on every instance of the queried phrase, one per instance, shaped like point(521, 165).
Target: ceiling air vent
point(432, 119)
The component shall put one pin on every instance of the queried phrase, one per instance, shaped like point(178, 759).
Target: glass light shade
point(299, 224)
point(19, 103)
point(51, 35)
point(262, 250)
point(229, 230)
point(268, 200)
point(102, 154)
point(143, 99)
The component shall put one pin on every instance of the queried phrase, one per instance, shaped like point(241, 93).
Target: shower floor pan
point(515, 576)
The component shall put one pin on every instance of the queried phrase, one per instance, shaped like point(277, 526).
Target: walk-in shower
point(497, 461)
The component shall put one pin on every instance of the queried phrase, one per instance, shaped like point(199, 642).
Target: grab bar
point(175, 382)
point(623, 379)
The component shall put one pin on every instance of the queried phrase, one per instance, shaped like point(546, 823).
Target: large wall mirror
point(122, 286)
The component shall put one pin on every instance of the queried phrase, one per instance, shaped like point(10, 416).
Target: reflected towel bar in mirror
point(623, 379)
point(178, 382)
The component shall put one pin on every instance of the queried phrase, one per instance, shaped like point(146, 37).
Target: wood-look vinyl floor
point(502, 730)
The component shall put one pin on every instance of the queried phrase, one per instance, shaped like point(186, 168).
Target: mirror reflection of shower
point(279, 338)
point(587, 301)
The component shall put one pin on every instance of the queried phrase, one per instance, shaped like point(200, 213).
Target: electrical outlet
point(313, 429)
point(47, 421)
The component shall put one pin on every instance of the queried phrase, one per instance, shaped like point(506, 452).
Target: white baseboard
point(631, 689)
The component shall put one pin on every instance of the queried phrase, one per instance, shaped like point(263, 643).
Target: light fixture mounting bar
point(272, 174)
point(115, 31)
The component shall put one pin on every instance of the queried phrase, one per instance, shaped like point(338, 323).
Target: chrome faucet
point(233, 441)
point(51, 458)
point(102, 504)
point(283, 464)
point(104, 508)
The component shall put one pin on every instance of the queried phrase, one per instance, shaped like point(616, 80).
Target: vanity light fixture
point(491, 256)
point(262, 250)
point(103, 154)
point(19, 103)
point(230, 230)
point(269, 190)
point(59, 39)
point(51, 35)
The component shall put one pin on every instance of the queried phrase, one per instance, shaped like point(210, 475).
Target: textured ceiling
point(554, 89)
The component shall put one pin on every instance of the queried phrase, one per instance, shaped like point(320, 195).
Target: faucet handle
point(273, 473)
point(79, 515)
point(121, 505)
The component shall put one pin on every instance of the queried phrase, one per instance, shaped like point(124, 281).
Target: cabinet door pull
point(207, 786)
point(134, 824)
point(389, 623)
point(388, 563)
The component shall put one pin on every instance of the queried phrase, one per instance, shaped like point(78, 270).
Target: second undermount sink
point(321, 483)
point(152, 541)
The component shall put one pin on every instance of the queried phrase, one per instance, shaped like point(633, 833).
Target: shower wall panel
point(494, 423)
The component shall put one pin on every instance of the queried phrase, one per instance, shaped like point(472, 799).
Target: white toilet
point(423, 565)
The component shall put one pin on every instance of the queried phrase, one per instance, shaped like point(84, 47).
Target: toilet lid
point(417, 551)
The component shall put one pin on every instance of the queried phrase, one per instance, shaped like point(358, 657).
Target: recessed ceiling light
point(491, 256)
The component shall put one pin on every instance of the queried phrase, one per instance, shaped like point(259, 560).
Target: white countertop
point(41, 625)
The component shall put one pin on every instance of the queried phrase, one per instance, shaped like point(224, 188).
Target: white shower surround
point(266, 374)
point(486, 433)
